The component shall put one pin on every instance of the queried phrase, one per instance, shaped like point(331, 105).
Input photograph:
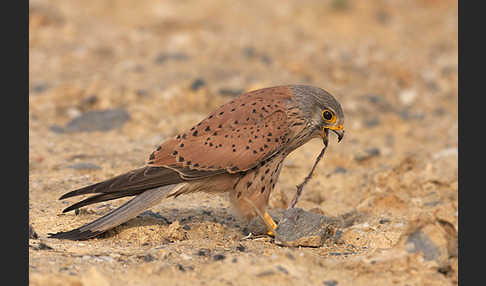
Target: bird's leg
point(270, 223)
point(266, 218)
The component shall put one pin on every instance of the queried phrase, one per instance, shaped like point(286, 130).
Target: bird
point(238, 148)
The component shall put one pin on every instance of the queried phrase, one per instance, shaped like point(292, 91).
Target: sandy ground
point(391, 183)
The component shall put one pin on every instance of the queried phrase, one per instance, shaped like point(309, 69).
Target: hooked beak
point(336, 129)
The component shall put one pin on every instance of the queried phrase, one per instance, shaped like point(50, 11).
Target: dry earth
point(161, 66)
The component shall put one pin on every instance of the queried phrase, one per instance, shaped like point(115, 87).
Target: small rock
point(164, 57)
point(181, 268)
point(367, 154)
point(330, 283)
point(300, 228)
point(249, 52)
point(282, 269)
point(141, 92)
point(204, 252)
point(372, 122)
point(95, 120)
point(149, 257)
point(230, 91)
point(384, 220)
point(197, 84)
point(265, 273)
point(40, 87)
point(382, 17)
point(340, 170)
point(407, 114)
point(42, 246)
point(241, 248)
point(84, 166)
point(218, 257)
point(155, 215)
point(418, 241)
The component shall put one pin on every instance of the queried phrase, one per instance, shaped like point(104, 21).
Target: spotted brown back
point(235, 137)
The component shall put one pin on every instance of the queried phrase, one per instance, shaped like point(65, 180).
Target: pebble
point(84, 166)
point(197, 84)
point(204, 252)
point(164, 57)
point(330, 283)
point(367, 154)
point(39, 88)
point(95, 120)
point(301, 228)
point(230, 91)
point(218, 257)
point(418, 241)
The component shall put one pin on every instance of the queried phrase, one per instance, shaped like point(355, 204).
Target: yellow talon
point(271, 225)
point(267, 219)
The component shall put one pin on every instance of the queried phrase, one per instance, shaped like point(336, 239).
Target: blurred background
point(110, 80)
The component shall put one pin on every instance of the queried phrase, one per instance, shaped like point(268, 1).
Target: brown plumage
point(238, 148)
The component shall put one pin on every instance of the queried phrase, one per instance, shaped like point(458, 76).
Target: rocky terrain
point(110, 80)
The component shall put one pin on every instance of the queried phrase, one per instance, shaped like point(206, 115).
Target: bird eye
point(326, 114)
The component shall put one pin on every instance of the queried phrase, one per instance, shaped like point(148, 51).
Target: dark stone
point(241, 248)
point(265, 273)
point(406, 114)
point(205, 212)
point(148, 258)
point(197, 84)
point(42, 246)
point(56, 128)
point(181, 268)
point(266, 59)
point(90, 100)
point(383, 17)
point(384, 220)
point(164, 57)
point(330, 283)
point(230, 91)
point(39, 87)
point(422, 243)
point(340, 170)
point(186, 227)
point(218, 257)
point(96, 120)
point(282, 269)
point(249, 52)
point(155, 215)
point(141, 92)
point(372, 122)
point(204, 252)
point(84, 166)
point(368, 153)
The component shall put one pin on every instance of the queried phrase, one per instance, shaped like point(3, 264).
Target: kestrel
point(238, 148)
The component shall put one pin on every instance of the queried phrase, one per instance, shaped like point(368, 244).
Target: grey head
point(320, 108)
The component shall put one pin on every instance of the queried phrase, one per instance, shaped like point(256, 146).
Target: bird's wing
point(234, 138)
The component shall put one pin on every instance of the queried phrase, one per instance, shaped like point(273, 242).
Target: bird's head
point(323, 110)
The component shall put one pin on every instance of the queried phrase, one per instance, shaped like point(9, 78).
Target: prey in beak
point(336, 129)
